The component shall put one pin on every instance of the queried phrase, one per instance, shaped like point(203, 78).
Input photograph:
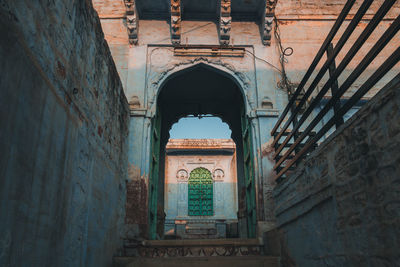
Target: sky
point(195, 128)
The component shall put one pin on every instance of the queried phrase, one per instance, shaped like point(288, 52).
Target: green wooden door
point(200, 193)
point(154, 173)
point(249, 177)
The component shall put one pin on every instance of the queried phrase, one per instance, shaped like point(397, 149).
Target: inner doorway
point(198, 91)
point(200, 193)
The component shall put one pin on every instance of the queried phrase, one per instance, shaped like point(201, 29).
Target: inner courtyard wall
point(178, 167)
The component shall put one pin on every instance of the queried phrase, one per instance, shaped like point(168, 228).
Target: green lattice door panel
point(200, 193)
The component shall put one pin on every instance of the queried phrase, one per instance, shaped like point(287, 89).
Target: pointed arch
point(239, 78)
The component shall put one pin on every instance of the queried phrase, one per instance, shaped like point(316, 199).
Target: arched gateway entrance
point(200, 90)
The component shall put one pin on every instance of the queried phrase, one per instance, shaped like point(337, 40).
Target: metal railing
point(287, 154)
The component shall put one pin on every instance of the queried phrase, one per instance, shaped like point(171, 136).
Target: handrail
point(325, 67)
point(300, 149)
point(316, 60)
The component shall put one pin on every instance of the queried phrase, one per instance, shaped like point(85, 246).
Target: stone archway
point(203, 89)
point(157, 80)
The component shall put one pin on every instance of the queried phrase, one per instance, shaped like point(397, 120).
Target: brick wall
point(342, 205)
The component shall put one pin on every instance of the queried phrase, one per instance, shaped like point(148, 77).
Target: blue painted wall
point(63, 133)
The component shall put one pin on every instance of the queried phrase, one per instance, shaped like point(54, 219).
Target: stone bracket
point(176, 21)
point(225, 21)
point(268, 21)
point(132, 21)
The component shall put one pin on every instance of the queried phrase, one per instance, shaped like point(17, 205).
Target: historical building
point(89, 90)
point(201, 188)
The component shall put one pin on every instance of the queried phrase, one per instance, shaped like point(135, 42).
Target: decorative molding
point(241, 77)
point(182, 175)
point(268, 21)
point(176, 22)
point(132, 21)
point(139, 112)
point(134, 102)
point(218, 175)
point(156, 79)
point(190, 250)
point(200, 143)
point(225, 21)
point(267, 113)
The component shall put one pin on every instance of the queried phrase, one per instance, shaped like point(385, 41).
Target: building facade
point(200, 187)
point(227, 58)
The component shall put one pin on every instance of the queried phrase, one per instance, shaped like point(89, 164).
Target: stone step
point(234, 261)
point(194, 248)
point(203, 242)
point(201, 231)
point(200, 226)
point(200, 236)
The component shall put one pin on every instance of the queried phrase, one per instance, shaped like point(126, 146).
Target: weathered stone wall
point(341, 206)
point(326, 10)
point(64, 126)
point(136, 219)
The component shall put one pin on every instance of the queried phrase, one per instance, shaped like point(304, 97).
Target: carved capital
point(225, 21)
point(132, 21)
point(270, 6)
point(176, 22)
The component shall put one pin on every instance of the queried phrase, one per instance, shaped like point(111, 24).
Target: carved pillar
point(268, 20)
point(176, 22)
point(225, 21)
point(132, 21)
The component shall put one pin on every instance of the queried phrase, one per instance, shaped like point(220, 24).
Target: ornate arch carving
point(156, 83)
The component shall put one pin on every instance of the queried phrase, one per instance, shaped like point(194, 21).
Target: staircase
point(196, 253)
point(200, 231)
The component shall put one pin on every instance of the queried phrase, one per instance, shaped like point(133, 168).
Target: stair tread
point(220, 261)
point(203, 242)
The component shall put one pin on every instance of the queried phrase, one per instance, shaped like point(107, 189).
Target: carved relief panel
point(218, 175)
point(132, 21)
point(176, 22)
point(268, 20)
point(182, 175)
point(225, 21)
